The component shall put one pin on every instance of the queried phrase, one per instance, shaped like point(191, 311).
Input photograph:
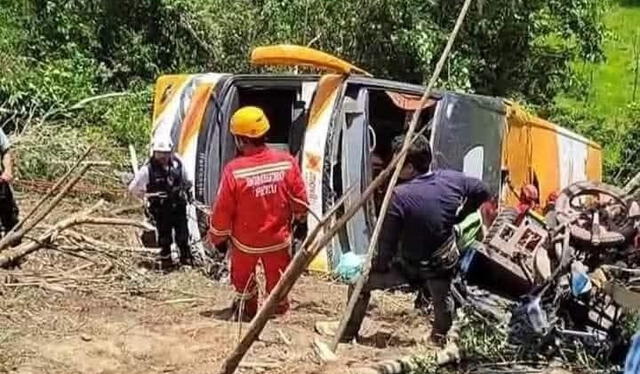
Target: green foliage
point(524, 49)
point(12, 35)
point(485, 348)
point(630, 325)
point(54, 53)
point(505, 48)
point(601, 104)
point(47, 152)
point(126, 120)
point(39, 87)
point(613, 82)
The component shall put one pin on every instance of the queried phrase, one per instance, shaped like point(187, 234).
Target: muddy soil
point(124, 319)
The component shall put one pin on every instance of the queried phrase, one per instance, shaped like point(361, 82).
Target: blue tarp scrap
point(632, 364)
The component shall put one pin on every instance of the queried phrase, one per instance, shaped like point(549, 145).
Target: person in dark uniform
point(8, 207)
point(421, 216)
point(164, 183)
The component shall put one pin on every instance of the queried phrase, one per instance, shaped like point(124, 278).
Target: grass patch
point(610, 85)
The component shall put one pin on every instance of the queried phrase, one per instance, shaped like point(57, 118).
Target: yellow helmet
point(249, 121)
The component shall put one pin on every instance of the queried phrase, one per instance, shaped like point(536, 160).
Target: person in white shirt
point(162, 181)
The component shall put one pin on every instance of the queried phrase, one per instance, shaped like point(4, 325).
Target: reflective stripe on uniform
point(217, 232)
point(256, 170)
point(253, 250)
point(245, 296)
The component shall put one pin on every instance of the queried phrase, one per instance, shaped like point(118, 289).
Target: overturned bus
point(339, 124)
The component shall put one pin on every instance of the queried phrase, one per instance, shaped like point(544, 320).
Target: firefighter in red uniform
point(260, 195)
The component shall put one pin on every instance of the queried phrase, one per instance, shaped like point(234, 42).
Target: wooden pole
point(12, 255)
point(51, 191)
point(636, 55)
point(133, 158)
point(11, 237)
point(303, 258)
point(394, 179)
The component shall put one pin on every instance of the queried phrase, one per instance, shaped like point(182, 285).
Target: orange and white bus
point(338, 122)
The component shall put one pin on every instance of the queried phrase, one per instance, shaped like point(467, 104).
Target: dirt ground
point(109, 316)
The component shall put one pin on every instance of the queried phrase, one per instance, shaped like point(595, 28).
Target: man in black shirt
point(421, 216)
point(163, 181)
point(8, 207)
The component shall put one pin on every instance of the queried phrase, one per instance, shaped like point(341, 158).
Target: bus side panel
point(182, 120)
point(573, 160)
point(313, 158)
point(174, 115)
point(193, 119)
point(594, 164)
point(545, 159)
point(165, 90)
point(516, 157)
point(547, 155)
point(534, 155)
point(467, 136)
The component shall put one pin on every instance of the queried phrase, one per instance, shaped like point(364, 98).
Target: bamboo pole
point(133, 158)
point(12, 237)
point(12, 255)
point(51, 191)
point(394, 178)
point(311, 248)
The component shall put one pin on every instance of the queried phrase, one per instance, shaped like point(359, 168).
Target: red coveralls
point(260, 194)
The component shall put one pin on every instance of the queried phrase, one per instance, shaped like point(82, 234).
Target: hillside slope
point(611, 83)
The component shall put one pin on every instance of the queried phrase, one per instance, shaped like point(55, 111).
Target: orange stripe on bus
point(594, 164)
point(327, 88)
point(166, 88)
point(193, 120)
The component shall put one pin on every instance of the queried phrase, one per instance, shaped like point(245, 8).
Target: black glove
point(186, 190)
point(300, 230)
point(188, 196)
point(4, 189)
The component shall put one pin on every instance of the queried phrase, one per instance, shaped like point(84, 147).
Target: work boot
point(186, 257)
point(186, 261)
point(439, 340)
point(226, 314)
point(330, 328)
point(327, 328)
point(166, 264)
point(282, 308)
point(231, 313)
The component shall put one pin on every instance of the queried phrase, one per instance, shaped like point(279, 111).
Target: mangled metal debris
point(560, 281)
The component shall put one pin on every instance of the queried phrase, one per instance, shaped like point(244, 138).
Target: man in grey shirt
point(8, 207)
